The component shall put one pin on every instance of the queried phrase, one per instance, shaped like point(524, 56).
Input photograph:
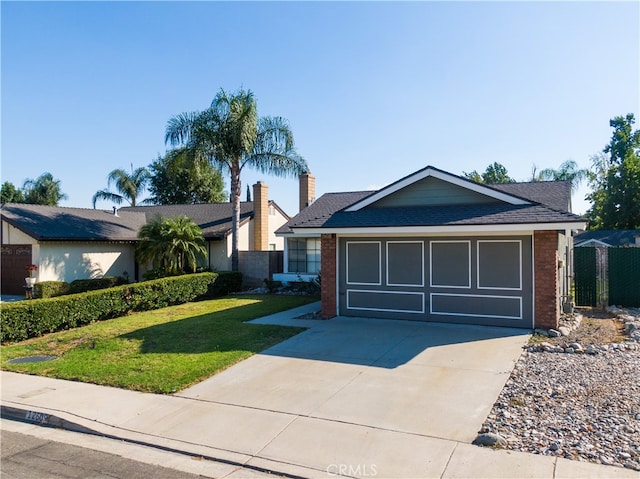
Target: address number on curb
point(36, 417)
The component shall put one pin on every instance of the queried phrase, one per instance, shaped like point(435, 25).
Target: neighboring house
point(75, 243)
point(608, 238)
point(434, 246)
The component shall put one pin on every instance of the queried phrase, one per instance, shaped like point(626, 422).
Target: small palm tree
point(129, 186)
point(171, 245)
point(230, 134)
point(568, 171)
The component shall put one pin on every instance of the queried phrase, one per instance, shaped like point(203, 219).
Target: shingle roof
point(213, 218)
point(550, 201)
point(57, 223)
point(72, 224)
point(611, 237)
point(472, 214)
point(555, 194)
point(318, 212)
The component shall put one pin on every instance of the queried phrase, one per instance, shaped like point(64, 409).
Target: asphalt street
point(29, 457)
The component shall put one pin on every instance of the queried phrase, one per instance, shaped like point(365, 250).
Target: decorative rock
point(541, 332)
point(564, 330)
point(591, 349)
point(554, 333)
point(569, 350)
point(576, 346)
point(490, 439)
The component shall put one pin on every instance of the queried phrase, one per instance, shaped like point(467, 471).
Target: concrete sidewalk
point(251, 437)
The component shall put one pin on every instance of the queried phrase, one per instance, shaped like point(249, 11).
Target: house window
point(304, 255)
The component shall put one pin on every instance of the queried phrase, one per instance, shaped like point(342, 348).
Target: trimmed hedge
point(28, 319)
point(227, 282)
point(50, 289)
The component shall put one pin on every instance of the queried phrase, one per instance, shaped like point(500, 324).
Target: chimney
point(307, 189)
point(260, 217)
point(115, 211)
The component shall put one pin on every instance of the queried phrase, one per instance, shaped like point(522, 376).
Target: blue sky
point(373, 90)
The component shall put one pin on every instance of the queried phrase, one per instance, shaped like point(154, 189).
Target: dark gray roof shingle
point(480, 214)
point(550, 205)
point(611, 237)
point(72, 224)
point(213, 218)
point(320, 210)
point(555, 194)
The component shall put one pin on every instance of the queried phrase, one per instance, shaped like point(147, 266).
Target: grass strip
point(161, 351)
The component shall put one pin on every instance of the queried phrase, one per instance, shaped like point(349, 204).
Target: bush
point(50, 289)
point(83, 285)
point(27, 319)
point(226, 282)
point(272, 285)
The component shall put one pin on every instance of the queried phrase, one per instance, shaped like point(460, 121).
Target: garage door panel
point(390, 301)
point(474, 305)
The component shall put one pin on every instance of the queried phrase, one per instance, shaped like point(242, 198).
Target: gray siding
point(432, 191)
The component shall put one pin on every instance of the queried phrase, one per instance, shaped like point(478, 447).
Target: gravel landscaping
point(576, 395)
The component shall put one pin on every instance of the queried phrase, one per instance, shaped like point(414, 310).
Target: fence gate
point(605, 276)
point(586, 276)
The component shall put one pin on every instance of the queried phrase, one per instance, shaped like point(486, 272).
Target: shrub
point(83, 285)
point(272, 285)
point(27, 319)
point(226, 282)
point(49, 289)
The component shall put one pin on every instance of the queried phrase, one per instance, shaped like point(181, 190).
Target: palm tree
point(44, 190)
point(186, 244)
point(568, 171)
point(129, 186)
point(171, 245)
point(230, 134)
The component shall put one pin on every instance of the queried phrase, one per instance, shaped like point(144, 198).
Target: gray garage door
point(477, 280)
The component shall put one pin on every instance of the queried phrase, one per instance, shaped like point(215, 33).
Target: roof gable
point(433, 187)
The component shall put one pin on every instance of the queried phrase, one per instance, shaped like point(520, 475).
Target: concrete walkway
point(349, 397)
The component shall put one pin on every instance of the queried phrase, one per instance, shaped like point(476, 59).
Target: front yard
point(161, 351)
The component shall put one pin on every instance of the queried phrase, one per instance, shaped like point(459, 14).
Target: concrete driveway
point(427, 379)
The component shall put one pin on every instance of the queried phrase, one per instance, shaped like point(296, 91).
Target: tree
point(44, 190)
point(129, 186)
point(494, 174)
point(568, 171)
point(248, 194)
point(10, 194)
point(231, 135)
point(615, 179)
point(179, 178)
point(172, 245)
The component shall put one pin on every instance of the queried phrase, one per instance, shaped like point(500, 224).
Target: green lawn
point(161, 351)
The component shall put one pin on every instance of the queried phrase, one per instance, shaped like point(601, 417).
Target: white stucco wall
point(12, 235)
point(275, 222)
point(219, 259)
point(71, 261)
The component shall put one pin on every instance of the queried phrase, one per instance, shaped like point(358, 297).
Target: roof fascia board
point(578, 225)
point(441, 175)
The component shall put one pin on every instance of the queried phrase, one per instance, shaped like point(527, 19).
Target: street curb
point(42, 419)
point(50, 420)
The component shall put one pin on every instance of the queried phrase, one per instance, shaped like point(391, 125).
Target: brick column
point(545, 264)
point(307, 189)
point(261, 217)
point(328, 272)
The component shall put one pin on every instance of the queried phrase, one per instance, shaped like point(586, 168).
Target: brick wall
point(545, 246)
point(307, 190)
point(328, 272)
point(261, 217)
